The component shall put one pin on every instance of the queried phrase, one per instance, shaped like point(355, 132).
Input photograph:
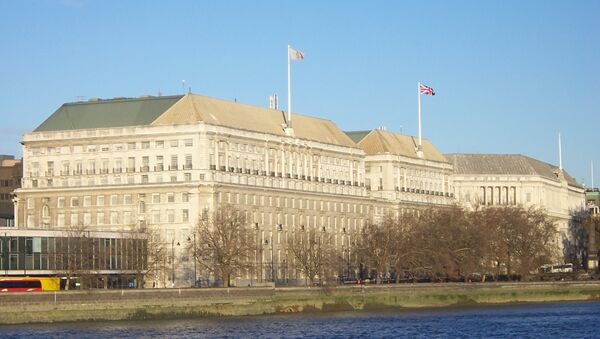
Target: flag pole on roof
point(425, 90)
point(292, 54)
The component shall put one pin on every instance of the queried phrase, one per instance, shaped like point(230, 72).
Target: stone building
point(513, 179)
point(112, 165)
point(398, 178)
point(10, 179)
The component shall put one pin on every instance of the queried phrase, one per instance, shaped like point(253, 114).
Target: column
point(217, 154)
point(267, 158)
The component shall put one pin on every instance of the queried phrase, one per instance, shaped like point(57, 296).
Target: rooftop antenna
point(159, 92)
point(560, 167)
point(592, 174)
point(183, 85)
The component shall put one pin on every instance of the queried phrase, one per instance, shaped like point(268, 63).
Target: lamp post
point(173, 261)
point(195, 261)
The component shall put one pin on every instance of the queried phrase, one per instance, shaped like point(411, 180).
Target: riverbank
point(94, 305)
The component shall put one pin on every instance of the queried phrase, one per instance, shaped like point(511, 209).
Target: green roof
point(357, 136)
point(107, 113)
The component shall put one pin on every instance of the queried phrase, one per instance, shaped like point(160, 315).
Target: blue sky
point(509, 75)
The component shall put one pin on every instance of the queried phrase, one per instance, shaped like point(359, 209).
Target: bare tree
point(144, 254)
point(312, 254)
point(224, 243)
point(378, 245)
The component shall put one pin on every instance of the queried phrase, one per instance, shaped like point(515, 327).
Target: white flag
point(295, 54)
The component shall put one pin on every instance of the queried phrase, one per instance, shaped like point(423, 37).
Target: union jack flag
point(426, 89)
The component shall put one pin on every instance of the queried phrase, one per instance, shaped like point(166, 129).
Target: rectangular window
point(87, 201)
point(60, 220)
point(60, 203)
point(156, 216)
point(74, 202)
point(131, 145)
point(174, 143)
point(170, 197)
point(127, 199)
point(74, 219)
point(30, 203)
point(185, 215)
point(159, 144)
point(188, 161)
point(87, 219)
point(100, 200)
point(173, 165)
point(156, 198)
point(187, 176)
point(100, 218)
point(145, 144)
point(188, 142)
point(171, 216)
point(114, 218)
point(185, 197)
point(127, 218)
point(114, 200)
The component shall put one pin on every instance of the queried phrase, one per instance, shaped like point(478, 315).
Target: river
point(549, 320)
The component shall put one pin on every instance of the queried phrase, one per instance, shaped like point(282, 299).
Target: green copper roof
point(357, 136)
point(107, 113)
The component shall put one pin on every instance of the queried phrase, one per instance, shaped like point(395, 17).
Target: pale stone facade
point(167, 173)
point(505, 179)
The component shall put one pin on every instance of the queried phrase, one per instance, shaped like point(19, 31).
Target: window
point(185, 197)
point(173, 165)
point(30, 203)
point(60, 202)
point(60, 220)
point(170, 197)
point(159, 163)
point(114, 200)
point(127, 218)
point(145, 144)
point(188, 176)
point(87, 219)
point(174, 143)
point(185, 215)
point(171, 216)
point(87, 201)
point(159, 144)
point(174, 178)
point(131, 145)
point(74, 219)
point(100, 218)
point(74, 202)
point(188, 142)
point(127, 199)
point(188, 161)
point(156, 198)
point(156, 216)
point(114, 218)
point(100, 200)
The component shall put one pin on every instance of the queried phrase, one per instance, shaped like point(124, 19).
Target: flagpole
point(559, 153)
point(289, 106)
point(419, 99)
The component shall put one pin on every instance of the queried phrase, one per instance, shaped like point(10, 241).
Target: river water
point(550, 320)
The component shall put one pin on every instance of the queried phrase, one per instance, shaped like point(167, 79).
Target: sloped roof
point(357, 136)
point(194, 108)
point(505, 164)
point(380, 142)
point(107, 113)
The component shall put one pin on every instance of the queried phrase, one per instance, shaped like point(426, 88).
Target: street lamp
point(173, 261)
point(195, 260)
